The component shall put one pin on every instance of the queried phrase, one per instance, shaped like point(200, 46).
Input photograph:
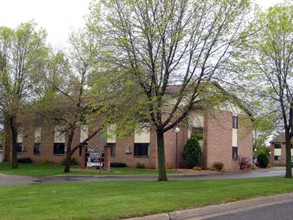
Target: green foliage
point(262, 150)
point(140, 166)
point(47, 161)
point(23, 53)
point(218, 166)
point(148, 52)
point(262, 160)
point(73, 161)
point(192, 154)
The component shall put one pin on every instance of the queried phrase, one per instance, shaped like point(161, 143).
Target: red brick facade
point(278, 150)
point(217, 144)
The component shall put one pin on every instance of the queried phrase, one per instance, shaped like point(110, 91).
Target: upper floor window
point(235, 122)
point(277, 146)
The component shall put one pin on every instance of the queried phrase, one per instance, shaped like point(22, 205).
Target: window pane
point(235, 153)
point(19, 147)
point(235, 122)
point(113, 148)
point(141, 149)
point(59, 148)
point(37, 148)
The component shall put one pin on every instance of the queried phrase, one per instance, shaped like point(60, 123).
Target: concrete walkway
point(17, 180)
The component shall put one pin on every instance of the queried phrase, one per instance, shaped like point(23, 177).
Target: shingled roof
point(280, 138)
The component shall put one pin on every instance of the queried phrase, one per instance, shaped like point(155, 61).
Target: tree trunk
point(67, 162)
point(161, 157)
point(68, 151)
point(12, 124)
point(288, 156)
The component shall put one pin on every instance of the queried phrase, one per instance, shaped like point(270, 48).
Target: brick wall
point(218, 139)
point(217, 144)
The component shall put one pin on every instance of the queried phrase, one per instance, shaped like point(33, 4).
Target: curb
point(220, 209)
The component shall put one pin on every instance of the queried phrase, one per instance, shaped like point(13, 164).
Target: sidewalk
point(17, 180)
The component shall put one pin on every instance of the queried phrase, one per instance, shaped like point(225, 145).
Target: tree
point(65, 100)
point(192, 153)
point(270, 68)
point(22, 52)
point(168, 49)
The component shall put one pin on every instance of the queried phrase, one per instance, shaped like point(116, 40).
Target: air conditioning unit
point(128, 150)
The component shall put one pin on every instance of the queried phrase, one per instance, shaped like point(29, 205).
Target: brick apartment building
point(226, 134)
point(278, 149)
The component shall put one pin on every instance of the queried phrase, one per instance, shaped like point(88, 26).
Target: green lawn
point(29, 169)
point(113, 200)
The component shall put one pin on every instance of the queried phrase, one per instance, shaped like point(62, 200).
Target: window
point(59, 148)
point(37, 148)
point(277, 146)
point(235, 122)
point(19, 147)
point(234, 153)
point(113, 148)
point(277, 157)
point(141, 149)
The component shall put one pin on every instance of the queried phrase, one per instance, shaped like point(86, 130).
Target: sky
point(57, 17)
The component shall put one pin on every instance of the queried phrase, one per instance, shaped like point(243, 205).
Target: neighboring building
point(278, 149)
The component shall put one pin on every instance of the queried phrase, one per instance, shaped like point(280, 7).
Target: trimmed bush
point(118, 164)
point(140, 166)
point(218, 166)
point(197, 168)
point(192, 154)
point(47, 161)
point(243, 162)
point(262, 160)
point(72, 162)
point(24, 160)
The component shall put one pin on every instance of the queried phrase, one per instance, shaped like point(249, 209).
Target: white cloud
point(58, 17)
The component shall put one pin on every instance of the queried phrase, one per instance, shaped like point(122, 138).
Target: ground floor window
point(234, 153)
point(141, 149)
point(19, 147)
point(59, 148)
point(37, 148)
point(277, 157)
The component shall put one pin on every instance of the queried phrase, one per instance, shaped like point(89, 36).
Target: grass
point(30, 169)
point(113, 200)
